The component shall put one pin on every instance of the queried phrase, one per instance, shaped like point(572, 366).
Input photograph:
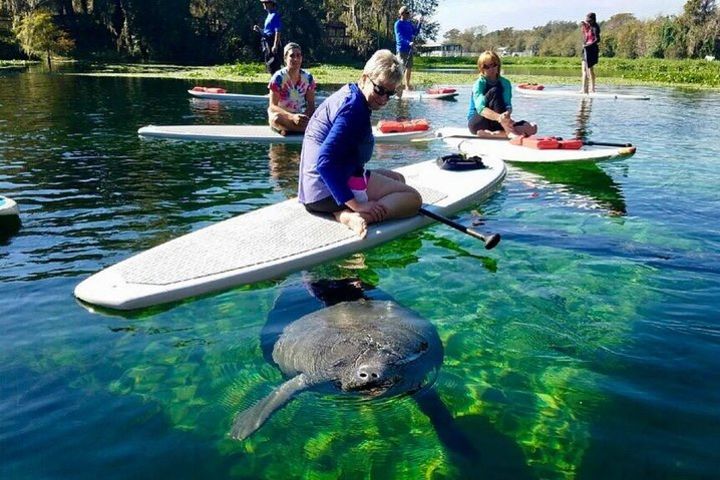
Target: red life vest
point(440, 90)
point(209, 89)
point(548, 143)
point(531, 86)
point(397, 126)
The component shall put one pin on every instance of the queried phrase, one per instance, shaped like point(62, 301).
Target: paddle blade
point(492, 241)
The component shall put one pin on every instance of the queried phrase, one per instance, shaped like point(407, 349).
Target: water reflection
point(284, 164)
point(584, 179)
point(9, 226)
point(582, 118)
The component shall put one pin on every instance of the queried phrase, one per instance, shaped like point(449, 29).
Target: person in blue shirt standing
point(405, 32)
point(339, 142)
point(270, 37)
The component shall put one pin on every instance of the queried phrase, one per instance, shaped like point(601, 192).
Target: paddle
point(607, 144)
point(490, 241)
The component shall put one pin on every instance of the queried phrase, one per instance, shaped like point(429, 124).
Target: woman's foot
point(354, 221)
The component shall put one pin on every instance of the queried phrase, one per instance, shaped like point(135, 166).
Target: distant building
point(434, 49)
point(336, 34)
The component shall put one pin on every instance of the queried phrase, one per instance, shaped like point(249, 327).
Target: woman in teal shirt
point(491, 103)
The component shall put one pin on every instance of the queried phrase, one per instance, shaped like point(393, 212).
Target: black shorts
point(328, 204)
point(325, 206)
point(591, 54)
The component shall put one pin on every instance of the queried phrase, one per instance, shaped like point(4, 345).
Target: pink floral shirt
point(292, 96)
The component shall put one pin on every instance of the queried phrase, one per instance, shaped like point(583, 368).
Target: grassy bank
point(548, 70)
point(697, 73)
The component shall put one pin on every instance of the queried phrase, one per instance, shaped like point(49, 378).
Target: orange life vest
point(441, 90)
point(531, 86)
point(209, 89)
point(397, 126)
point(547, 143)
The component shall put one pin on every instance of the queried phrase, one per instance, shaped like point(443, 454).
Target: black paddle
point(490, 241)
point(607, 144)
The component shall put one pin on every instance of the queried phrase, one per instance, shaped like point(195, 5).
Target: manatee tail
point(247, 421)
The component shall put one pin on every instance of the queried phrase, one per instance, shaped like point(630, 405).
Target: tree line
point(211, 31)
point(220, 31)
point(695, 33)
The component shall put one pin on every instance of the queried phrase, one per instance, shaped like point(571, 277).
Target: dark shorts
point(478, 122)
point(328, 205)
point(591, 54)
point(406, 58)
point(325, 206)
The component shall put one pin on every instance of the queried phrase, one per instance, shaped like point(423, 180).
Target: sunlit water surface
point(586, 345)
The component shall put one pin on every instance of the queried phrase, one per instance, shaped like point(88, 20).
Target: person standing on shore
point(270, 37)
point(591, 37)
point(405, 32)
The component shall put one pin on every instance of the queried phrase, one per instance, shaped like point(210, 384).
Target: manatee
point(371, 348)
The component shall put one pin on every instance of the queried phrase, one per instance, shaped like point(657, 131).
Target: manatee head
point(385, 372)
point(388, 350)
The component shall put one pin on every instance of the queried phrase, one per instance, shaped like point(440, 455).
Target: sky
point(525, 14)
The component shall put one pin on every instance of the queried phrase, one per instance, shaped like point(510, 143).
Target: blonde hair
point(384, 67)
point(488, 55)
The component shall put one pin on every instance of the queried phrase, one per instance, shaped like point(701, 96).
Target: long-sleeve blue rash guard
point(338, 143)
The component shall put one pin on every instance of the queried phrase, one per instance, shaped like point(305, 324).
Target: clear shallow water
point(584, 346)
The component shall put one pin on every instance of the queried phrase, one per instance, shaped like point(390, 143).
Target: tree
point(39, 36)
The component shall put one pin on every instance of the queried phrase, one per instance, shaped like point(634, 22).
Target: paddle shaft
point(607, 144)
point(489, 241)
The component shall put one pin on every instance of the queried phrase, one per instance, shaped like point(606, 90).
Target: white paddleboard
point(251, 133)
point(556, 92)
point(271, 242)
point(8, 207)
point(465, 142)
point(423, 95)
point(241, 97)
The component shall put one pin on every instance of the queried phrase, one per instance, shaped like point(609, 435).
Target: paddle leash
point(490, 241)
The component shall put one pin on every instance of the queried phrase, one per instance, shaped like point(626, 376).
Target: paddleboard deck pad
point(251, 133)
point(467, 143)
point(556, 92)
point(271, 242)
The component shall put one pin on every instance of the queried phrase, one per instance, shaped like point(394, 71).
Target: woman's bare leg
point(399, 199)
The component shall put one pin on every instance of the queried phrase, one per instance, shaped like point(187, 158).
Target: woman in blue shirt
point(405, 33)
point(339, 142)
point(491, 103)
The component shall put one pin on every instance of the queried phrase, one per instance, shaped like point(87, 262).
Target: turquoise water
point(584, 346)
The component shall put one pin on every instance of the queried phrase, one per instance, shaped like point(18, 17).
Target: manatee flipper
point(247, 421)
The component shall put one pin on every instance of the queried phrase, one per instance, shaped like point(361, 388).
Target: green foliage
point(39, 36)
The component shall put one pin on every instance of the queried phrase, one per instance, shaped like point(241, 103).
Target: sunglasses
point(380, 90)
point(489, 66)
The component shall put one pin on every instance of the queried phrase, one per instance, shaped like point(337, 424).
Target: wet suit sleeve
point(337, 159)
point(479, 95)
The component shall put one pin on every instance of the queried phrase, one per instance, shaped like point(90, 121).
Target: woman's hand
point(375, 210)
point(300, 119)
